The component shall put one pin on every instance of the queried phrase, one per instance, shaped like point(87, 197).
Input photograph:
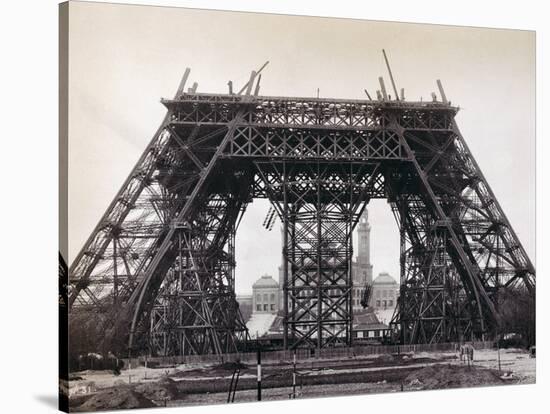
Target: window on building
point(273, 298)
point(390, 302)
point(359, 334)
point(258, 307)
point(376, 334)
point(377, 294)
point(265, 307)
point(258, 298)
point(384, 303)
point(272, 307)
point(265, 297)
point(378, 303)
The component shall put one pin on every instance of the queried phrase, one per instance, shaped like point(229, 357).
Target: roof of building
point(367, 321)
point(384, 278)
point(365, 318)
point(266, 281)
point(384, 315)
point(277, 325)
point(259, 324)
point(370, 327)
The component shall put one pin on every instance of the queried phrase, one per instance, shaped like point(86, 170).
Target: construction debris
point(451, 376)
point(116, 398)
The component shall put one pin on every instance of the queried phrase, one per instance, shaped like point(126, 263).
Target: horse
point(466, 352)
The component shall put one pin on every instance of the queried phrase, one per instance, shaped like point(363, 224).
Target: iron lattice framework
point(159, 268)
point(319, 204)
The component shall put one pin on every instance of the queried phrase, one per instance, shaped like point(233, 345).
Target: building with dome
point(265, 295)
point(385, 291)
point(370, 325)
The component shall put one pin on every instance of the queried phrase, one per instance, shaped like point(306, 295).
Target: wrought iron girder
point(301, 143)
point(318, 210)
point(312, 113)
point(319, 161)
point(460, 195)
point(202, 304)
point(474, 209)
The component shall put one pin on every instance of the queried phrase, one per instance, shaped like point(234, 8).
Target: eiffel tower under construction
point(157, 274)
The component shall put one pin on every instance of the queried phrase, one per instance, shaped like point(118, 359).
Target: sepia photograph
point(259, 207)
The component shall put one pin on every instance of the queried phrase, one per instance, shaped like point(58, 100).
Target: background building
point(369, 324)
point(368, 329)
point(265, 295)
point(385, 291)
point(264, 306)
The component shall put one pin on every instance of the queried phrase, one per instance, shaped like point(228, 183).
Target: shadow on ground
point(50, 401)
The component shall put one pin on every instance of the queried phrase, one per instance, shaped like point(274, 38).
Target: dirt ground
point(209, 384)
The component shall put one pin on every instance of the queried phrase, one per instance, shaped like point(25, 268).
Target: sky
point(124, 58)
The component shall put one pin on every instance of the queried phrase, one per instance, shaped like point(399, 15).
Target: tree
point(518, 313)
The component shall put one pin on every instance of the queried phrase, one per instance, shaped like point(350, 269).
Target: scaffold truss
point(158, 271)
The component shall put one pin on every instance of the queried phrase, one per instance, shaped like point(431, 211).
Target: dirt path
point(208, 384)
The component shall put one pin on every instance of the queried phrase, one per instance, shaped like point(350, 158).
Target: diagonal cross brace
point(477, 287)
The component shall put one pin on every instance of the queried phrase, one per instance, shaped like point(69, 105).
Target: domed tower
point(364, 266)
point(265, 295)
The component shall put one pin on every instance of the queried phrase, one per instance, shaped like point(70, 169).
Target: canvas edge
point(63, 362)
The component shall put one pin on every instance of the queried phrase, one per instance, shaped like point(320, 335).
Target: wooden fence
point(301, 354)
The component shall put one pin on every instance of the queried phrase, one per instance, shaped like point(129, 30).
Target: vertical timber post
point(319, 278)
point(285, 262)
point(349, 252)
point(293, 280)
point(383, 88)
point(402, 276)
point(391, 75)
point(444, 291)
point(259, 374)
point(294, 375)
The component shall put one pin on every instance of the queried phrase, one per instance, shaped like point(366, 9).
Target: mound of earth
point(385, 358)
point(115, 398)
point(452, 376)
point(231, 366)
point(156, 391)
